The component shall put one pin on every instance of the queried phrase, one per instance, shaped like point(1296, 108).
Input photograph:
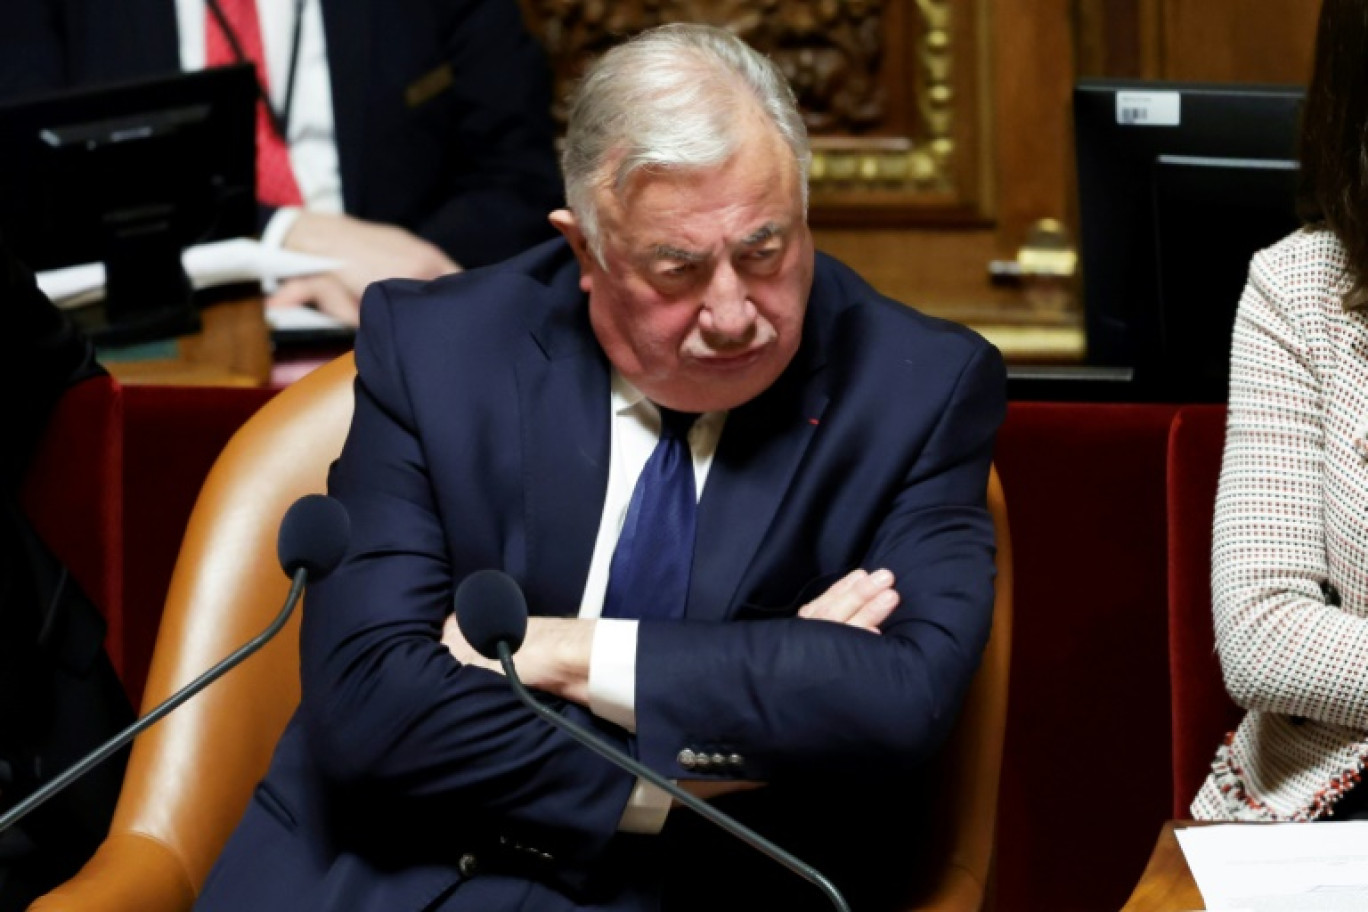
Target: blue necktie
point(649, 574)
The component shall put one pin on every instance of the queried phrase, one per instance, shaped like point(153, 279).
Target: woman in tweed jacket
point(1290, 549)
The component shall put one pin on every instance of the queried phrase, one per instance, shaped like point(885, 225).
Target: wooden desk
point(1167, 884)
point(232, 349)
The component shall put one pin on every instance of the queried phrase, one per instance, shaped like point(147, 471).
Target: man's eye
point(764, 253)
point(679, 270)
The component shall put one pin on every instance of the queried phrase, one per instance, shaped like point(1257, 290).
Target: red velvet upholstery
point(172, 436)
point(73, 495)
point(1202, 711)
point(1085, 779)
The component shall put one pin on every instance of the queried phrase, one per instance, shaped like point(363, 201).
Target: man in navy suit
point(841, 585)
point(419, 131)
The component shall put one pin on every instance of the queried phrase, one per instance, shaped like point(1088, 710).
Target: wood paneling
point(1238, 40)
point(1011, 69)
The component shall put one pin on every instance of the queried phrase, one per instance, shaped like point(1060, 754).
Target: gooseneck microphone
point(312, 541)
point(492, 615)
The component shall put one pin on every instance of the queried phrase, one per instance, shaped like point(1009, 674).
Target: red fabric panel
point(73, 495)
point(1202, 711)
point(1086, 764)
point(172, 437)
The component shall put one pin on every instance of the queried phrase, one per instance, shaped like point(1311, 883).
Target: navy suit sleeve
point(506, 179)
point(389, 713)
point(796, 697)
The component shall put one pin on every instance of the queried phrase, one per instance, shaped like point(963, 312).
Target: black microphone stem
point(19, 811)
point(697, 805)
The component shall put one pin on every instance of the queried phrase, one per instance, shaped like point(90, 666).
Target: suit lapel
point(762, 444)
point(563, 397)
point(346, 28)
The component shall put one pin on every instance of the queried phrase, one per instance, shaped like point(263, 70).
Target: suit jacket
point(481, 439)
point(1289, 596)
point(466, 161)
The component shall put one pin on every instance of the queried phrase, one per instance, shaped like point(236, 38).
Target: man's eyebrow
point(668, 252)
point(763, 233)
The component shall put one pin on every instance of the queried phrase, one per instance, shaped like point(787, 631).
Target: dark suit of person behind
point(59, 696)
point(482, 437)
point(442, 107)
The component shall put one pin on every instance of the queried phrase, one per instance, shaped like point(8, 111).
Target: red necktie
point(276, 185)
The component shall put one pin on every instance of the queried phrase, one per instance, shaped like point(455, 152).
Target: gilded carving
point(835, 54)
point(830, 50)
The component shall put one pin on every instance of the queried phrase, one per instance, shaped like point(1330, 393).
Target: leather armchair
point(971, 764)
point(190, 776)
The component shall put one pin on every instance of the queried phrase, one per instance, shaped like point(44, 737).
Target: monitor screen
point(1178, 185)
point(130, 175)
point(1210, 214)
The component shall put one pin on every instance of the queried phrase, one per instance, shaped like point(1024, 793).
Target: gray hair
point(670, 98)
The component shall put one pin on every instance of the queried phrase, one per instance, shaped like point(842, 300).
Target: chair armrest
point(956, 890)
point(129, 873)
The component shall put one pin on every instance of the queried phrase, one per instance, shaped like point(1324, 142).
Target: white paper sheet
point(218, 263)
point(1280, 867)
point(300, 319)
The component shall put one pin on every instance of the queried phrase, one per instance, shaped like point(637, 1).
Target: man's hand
point(324, 292)
point(369, 251)
point(859, 599)
point(460, 650)
point(554, 657)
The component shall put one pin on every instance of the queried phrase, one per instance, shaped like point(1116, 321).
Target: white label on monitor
point(1148, 109)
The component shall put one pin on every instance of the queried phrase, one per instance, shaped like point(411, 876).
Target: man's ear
point(565, 222)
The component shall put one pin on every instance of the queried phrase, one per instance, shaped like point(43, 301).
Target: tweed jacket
point(1290, 541)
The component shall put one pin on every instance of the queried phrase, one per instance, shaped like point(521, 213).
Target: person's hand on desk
point(324, 292)
point(369, 252)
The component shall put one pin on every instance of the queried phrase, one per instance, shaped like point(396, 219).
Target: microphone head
point(313, 536)
point(490, 609)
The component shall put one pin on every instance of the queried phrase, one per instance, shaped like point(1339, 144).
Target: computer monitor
point(1211, 214)
point(1178, 185)
point(129, 175)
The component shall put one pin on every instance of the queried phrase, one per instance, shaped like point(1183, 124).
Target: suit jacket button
point(469, 865)
point(719, 760)
point(702, 761)
point(687, 758)
point(736, 760)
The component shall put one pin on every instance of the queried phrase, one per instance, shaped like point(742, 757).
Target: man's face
point(701, 299)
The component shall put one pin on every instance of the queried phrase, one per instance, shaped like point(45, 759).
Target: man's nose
point(728, 316)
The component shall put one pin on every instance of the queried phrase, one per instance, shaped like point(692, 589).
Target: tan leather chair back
point(972, 761)
point(190, 776)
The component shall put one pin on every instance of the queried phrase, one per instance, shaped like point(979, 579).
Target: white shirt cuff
point(612, 672)
point(274, 236)
point(646, 810)
point(612, 697)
